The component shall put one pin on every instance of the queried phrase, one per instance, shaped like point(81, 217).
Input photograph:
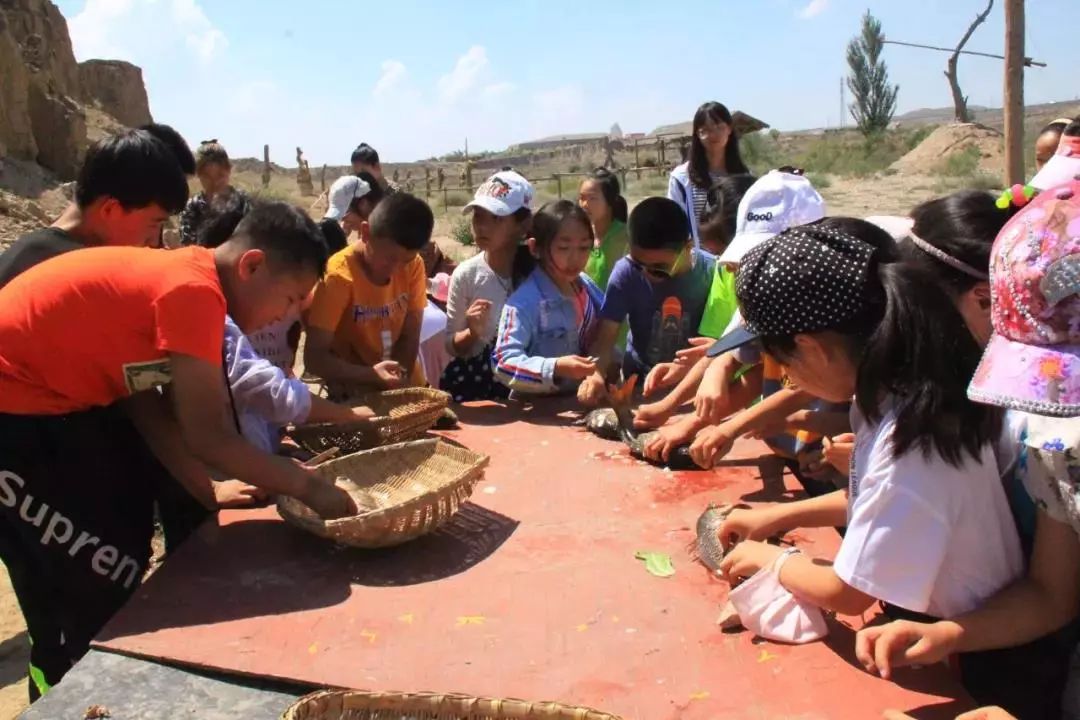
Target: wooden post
point(1014, 92)
point(266, 166)
point(558, 184)
point(623, 172)
point(637, 163)
point(445, 201)
point(322, 178)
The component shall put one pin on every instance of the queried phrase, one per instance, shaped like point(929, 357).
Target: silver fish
point(602, 423)
point(706, 548)
point(617, 423)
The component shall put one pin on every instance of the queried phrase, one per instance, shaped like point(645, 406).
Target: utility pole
point(842, 104)
point(1014, 92)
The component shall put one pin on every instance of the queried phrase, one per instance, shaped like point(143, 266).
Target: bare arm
point(150, 414)
point(1036, 605)
point(603, 346)
point(815, 581)
point(1044, 601)
point(407, 346)
point(320, 359)
point(773, 409)
point(324, 411)
point(199, 400)
point(821, 422)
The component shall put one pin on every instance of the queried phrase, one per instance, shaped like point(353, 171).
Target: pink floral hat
point(1032, 362)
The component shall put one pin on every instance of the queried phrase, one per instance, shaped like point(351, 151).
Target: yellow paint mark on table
point(407, 618)
point(470, 620)
point(369, 635)
point(582, 627)
point(699, 695)
point(766, 656)
point(313, 648)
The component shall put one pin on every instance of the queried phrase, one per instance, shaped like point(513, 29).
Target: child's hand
point(390, 374)
point(698, 347)
point(667, 439)
point(837, 451)
point(574, 367)
point(713, 395)
point(742, 525)
point(663, 375)
point(237, 494)
point(711, 444)
point(362, 412)
point(476, 316)
point(747, 558)
point(327, 499)
point(880, 648)
point(651, 415)
point(592, 391)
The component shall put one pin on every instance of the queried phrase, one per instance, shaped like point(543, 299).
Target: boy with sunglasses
point(661, 288)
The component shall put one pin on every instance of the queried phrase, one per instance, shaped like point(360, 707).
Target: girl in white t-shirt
point(929, 529)
point(501, 213)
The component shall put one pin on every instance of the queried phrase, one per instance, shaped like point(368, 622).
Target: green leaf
point(657, 564)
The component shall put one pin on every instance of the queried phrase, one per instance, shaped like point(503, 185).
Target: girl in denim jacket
point(550, 319)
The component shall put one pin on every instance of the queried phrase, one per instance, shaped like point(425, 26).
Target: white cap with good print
point(504, 193)
point(777, 201)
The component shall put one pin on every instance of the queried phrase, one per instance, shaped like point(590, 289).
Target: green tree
point(875, 97)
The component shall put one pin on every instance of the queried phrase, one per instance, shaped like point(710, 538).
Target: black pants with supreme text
point(76, 519)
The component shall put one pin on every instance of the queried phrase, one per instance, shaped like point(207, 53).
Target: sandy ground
point(884, 194)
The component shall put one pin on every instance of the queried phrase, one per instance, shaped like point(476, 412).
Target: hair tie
point(947, 258)
point(1016, 196)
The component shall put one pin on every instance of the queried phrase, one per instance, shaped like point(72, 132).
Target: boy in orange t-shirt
point(98, 328)
point(363, 326)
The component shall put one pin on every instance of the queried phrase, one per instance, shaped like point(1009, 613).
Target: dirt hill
point(970, 143)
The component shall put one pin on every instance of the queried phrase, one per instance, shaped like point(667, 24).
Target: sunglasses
point(660, 272)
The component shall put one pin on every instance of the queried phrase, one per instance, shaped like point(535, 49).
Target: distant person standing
point(601, 198)
point(714, 153)
point(214, 170)
point(366, 159)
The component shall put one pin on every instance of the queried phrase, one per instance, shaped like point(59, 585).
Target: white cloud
point(133, 30)
point(393, 72)
point(201, 36)
point(465, 75)
point(497, 90)
point(813, 9)
point(89, 29)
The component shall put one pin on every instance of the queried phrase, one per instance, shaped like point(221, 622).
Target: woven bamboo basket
point(403, 491)
point(400, 415)
point(358, 705)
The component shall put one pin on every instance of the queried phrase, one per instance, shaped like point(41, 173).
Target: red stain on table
point(531, 591)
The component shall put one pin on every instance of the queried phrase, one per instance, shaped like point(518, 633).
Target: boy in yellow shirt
point(363, 326)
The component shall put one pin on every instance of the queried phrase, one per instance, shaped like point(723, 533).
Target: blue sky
point(415, 79)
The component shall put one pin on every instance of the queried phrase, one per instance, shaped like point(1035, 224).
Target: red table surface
point(532, 591)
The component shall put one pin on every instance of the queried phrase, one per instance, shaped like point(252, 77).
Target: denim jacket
point(538, 326)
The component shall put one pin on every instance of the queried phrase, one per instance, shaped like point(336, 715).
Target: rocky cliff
point(42, 118)
point(117, 88)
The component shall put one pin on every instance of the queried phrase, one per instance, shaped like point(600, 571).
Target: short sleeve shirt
point(34, 248)
point(95, 325)
point(358, 311)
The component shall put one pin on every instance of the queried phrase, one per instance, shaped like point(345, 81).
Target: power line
point(1028, 62)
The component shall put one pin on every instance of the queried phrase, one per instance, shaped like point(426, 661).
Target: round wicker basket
point(358, 705)
point(403, 491)
point(399, 415)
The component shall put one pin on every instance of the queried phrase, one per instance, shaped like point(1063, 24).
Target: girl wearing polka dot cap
point(929, 531)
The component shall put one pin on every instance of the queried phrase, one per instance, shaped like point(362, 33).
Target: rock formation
point(117, 88)
point(41, 89)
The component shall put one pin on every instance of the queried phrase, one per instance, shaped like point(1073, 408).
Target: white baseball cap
point(777, 201)
point(344, 190)
point(504, 193)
